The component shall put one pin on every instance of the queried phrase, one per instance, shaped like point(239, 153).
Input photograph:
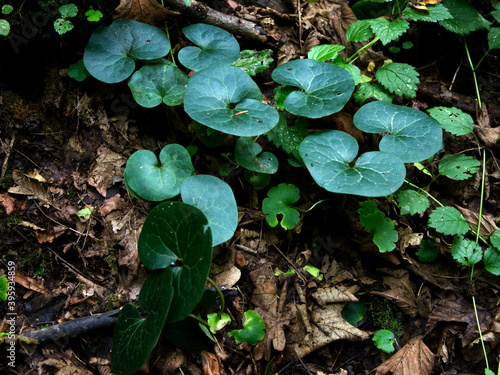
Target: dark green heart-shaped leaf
point(152, 180)
point(413, 135)
point(327, 155)
point(249, 155)
point(217, 47)
point(177, 234)
point(325, 88)
point(225, 98)
point(216, 200)
point(153, 84)
point(111, 51)
point(134, 337)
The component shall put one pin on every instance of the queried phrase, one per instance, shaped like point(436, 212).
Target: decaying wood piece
point(232, 24)
point(74, 327)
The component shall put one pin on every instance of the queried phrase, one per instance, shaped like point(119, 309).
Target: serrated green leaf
point(327, 156)
point(495, 239)
point(371, 91)
point(153, 84)
point(324, 52)
point(448, 220)
point(62, 26)
point(325, 88)
point(216, 322)
point(68, 10)
point(491, 260)
point(428, 251)
point(496, 14)
point(465, 251)
point(384, 340)
point(177, 235)
point(465, 18)
point(288, 137)
point(225, 98)
point(412, 135)
point(4, 287)
point(155, 180)
point(400, 79)
point(7, 9)
point(412, 202)
point(279, 202)
point(217, 47)
point(388, 31)
point(352, 69)
point(134, 337)
point(253, 329)
point(488, 372)
point(453, 120)
point(249, 155)
point(359, 31)
point(382, 227)
point(458, 167)
point(254, 62)
point(437, 12)
point(494, 38)
point(215, 199)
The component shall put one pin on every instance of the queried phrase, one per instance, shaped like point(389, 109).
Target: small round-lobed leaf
point(178, 235)
point(328, 155)
point(249, 155)
point(111, 51)
point(325, 88)
point(152, 180)
point(153, 84)
point(216, 200)
point(413, 135)
point(217, 47)
point(225, 98)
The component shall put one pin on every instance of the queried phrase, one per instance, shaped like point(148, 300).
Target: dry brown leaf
point(413, 358)
point(26, 185)
point(146, 11)
point(488, 225)
point(29, 283)
point(110, 204)
point(334, 294)
point(209, 363)
point(400, 291)
point(328, 326)
point(460, 311)
point(7, 202)
point(109, 165)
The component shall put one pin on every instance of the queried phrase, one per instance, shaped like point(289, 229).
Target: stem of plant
point(359, 52)
point(200, 320)
point(422, 190)
point(473, 73)
point(221, 296)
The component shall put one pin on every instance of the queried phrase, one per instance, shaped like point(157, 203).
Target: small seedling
point(279, 202)
point(253, 329)
point(384, 340)
point(63, 25)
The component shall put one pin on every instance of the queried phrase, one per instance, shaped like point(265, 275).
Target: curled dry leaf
point(333, 294)
point(7, 202)
point(29, 283)
point(400, 291)
point(488, 225)
point(414, 358)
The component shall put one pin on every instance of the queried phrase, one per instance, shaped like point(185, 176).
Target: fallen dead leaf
point(413, 358)
point(29, 283)
point(7, 202)
point(26, 185)
point(400, 291)
point(334, 294)
point(109, 165)
point(146, 11)
point(209, 363)
point(488, 225)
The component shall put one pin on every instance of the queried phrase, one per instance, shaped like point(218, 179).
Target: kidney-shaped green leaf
point(217, 47)
point(225, 98)
point(153, 84)
point(247, 153)
point(216, 200)
point(152, 180)
point(134, 337)
point(328, 155)
point(177, 234)
point(413, 135)
point(111, 51)
point(325, 88)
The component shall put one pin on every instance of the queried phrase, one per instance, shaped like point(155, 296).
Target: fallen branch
point(229, 23)
point(74, 327)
